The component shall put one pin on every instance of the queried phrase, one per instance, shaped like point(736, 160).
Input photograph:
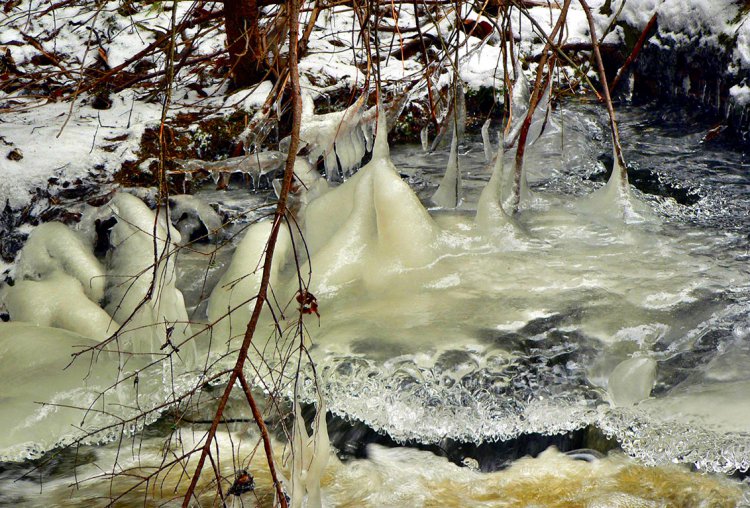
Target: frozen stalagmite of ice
point(58, 301)
point(449, 193)
point(615, 201)
point(454, 120)
point(52, 248)
point(520, 97)
point(141, 292)
point(631, 381)
point(232, 300)
point(459, 127)
point(490, 213)
point(538, 119)
point(371, 225)
point(309, 457)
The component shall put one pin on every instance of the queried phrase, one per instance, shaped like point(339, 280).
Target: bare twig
point(293, 20)
point(645, 34)
point(607, 98)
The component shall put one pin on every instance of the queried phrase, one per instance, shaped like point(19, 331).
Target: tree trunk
point(244, 42)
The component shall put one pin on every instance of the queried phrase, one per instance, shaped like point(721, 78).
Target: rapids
point(458, 322)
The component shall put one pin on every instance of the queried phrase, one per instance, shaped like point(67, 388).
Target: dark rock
point(15, 155)
point(101, 199)
point(77, 190)
point(103, 229)
point(101, 102)
point(10, 244)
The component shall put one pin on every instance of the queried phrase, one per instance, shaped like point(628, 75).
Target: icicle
point(358, 147)
point(490, 211)
point(331, 134)
point(424, 136)
point(449, 192)
point(486, 141)
point(309, 459)
point(332, 166)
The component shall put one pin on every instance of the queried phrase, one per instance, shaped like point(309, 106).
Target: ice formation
point(307, 186)
point(424, 138)
point(309, 457)
point(520, 111)
point(449, 193)
point(254, 165)
point(631, 381)
point(141, 292)
point(236, 290)
point(35, 366)
point(454, 120)
point(339, 137)
point(194, 218)
point(520, 96)
point(58, 301)
point(615, 201)
point(491, 215)
point(371, 225)
point(53, 247)
point(486, 142)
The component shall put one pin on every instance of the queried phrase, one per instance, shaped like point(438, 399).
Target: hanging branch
point(634, 54)
point(607, 99)
point(540, 84)
point(261, 300)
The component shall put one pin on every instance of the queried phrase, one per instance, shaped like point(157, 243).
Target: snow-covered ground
point(57, 139)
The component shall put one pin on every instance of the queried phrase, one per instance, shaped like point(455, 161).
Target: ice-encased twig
point(333, 137)
point(254, 165)
point(486, 143)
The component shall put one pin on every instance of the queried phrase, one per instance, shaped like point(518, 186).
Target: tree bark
point(244, 42)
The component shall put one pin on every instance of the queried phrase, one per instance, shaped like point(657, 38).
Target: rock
point(10, 244)
point(15, 155)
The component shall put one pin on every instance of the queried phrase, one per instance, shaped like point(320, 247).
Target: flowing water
point(567, 318)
